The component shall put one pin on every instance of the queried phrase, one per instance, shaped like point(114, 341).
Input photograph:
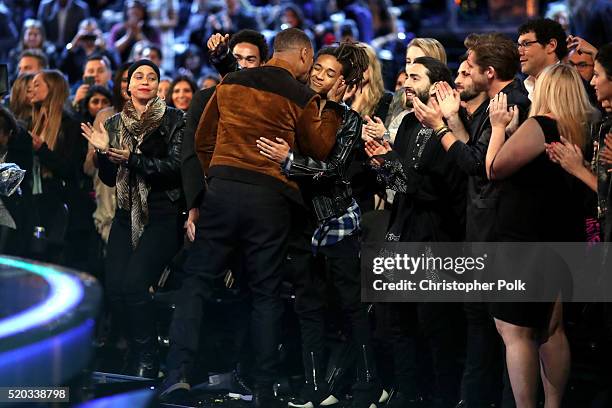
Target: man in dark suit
point(61, 19)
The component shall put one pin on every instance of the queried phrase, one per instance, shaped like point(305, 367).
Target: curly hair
point(545, 30)
point(352, 57)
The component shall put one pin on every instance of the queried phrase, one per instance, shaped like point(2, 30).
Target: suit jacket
point(191, 169)
point(265, 101)
point(48, 14)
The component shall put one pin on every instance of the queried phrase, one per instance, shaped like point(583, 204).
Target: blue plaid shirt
point(335, 229)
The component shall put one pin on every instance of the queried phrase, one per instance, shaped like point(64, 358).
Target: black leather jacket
point(330, 189)
point(160, 160)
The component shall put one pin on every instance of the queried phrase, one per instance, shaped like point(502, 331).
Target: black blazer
point(47, 13)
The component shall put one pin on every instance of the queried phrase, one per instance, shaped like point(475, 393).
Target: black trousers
point(482, 375)
point(130, 272)
point(236, 219)
point(399, 326)
point(339, 264)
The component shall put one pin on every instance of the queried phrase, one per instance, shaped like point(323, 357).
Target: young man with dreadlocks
point(332, 233)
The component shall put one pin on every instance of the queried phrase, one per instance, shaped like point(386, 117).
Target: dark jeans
point(438, 322)
point(482, 375)
point(236, 219)
point(343, 269)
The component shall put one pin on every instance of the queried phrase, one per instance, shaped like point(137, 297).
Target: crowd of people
point(259, 157)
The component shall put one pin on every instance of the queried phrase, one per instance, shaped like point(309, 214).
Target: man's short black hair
point(100, 57)
point(604, 57)
point(437, 71)
point(38, 54)
point(545, 30)
point(251, 37)
point(291, 38)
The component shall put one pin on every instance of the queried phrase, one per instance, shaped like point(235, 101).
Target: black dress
point(541, 202)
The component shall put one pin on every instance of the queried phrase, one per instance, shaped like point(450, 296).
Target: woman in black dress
point(138, 151)
point(539, 202)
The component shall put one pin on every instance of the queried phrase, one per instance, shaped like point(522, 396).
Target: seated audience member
point(209, 80)
point(96, 99)
point(21, 99)
point(32, 38)
point(61, 18)
point(181, 92)
point(88, 41)
point(164, 87)
point(97, 71)
point(59, 153)
point(135, 27)
point(31, 62)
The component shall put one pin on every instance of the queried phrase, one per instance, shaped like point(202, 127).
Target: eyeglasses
point(525, 44)
point(581, 65)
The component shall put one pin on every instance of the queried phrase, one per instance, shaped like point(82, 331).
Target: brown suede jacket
point(262, 102)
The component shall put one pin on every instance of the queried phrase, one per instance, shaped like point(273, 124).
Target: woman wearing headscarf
point(138, 151)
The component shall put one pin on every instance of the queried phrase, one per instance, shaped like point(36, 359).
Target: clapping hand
point(498, 111)
point(97, 137)
point(37, 142)
point(429, 115)
point(374, 148)
point(448, 99)
point(374, 129)
point(566, 154)
point(605, 154)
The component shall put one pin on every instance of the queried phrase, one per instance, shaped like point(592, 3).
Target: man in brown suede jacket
point(246, 209)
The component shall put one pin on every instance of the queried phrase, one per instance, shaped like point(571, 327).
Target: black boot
point(264, 397)
point(315, 391)
point(367, 392)
point(144, 359)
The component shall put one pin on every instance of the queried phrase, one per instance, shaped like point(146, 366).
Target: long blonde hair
point(559, 92)
point(47, 115)
point(375, 87)
point(430, 47)
point(20, 105)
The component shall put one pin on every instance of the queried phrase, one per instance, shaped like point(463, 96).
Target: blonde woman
point(372, 102)
point(425, 47)
point(539, 201)
point(21, 98)
point(59, 154)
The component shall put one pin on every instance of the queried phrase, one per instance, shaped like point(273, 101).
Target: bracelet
point(443, 129)
point(439, 128)
point(441, 134)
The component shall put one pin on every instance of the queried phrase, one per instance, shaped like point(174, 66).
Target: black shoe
point(232, 383)
point(369, 395)
point(175, 388)
point(311, 398)
point(402, 400)
point(264, 398)
point(143, 360)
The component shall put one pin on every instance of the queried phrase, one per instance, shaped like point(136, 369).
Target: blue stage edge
point(46, 323)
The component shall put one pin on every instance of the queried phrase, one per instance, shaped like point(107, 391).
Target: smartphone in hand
point(89, 80)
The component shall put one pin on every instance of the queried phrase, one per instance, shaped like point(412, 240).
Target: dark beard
point(423, 97)
point(468, 95)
